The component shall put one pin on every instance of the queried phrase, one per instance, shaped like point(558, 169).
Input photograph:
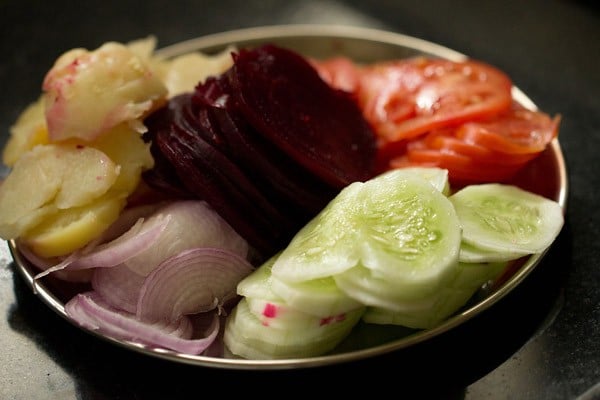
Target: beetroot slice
point(284, 98)
point(296, 189)
point(210, 175)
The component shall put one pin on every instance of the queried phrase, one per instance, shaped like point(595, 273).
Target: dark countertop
point(540, 342)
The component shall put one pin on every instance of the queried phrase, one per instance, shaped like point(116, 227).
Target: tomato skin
point(405, 98)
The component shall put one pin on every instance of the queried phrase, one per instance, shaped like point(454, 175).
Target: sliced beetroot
point(297, 190)
point(268, 144)
point(283, 97)
point(300, 193)
point(210, 175)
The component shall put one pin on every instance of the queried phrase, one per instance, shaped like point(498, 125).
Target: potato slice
point(52, 177)
point(71, 229)
point(28, 131)
point(127, 149)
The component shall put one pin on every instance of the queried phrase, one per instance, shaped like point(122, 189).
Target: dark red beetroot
point(285, 99)
point(293, 187)
point(267, 154)
point(210, 175)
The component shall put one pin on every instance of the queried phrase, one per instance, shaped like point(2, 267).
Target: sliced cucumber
point(448, 300)
point(361, 284)
point(410, 232)
point(279, 315)
point(319, 297)
point(245, 336)
point(505, 218)
point(471, 254)
point(396, 224)
point(258, 283)
point(326, 245)
point(438, 177)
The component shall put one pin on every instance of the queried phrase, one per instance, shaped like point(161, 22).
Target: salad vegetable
point(267, 201)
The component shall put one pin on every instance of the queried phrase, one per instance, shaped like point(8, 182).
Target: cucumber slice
point(471, 254)
point(438, 177)
point(505, 218)
point(245, 336)
point(448, 300)
point(410, 232)
point(326, 245)
point(396, 224)
point(361, 284)
point(318, 298)
point(279, 315)
point(258, 283)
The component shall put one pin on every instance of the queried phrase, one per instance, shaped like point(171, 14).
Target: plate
point(546, 175)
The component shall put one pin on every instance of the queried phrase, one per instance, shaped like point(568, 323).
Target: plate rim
point(222, 39)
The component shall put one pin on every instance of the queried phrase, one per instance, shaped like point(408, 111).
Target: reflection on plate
point(545, 176)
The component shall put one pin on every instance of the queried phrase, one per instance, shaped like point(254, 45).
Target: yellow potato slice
point(126, 148)
point(28, 131)
point(71, 229)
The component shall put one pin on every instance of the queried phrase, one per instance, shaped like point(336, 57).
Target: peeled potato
point(52, 177)
point(28, 131)
point(71, 229)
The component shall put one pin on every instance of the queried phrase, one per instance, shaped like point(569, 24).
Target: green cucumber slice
point(245, 336)
point(450, 299)
point(438, 177)
point(409, 231)
point(326, 245)
point(505, 218)
point(397, 224)
point(471, 254)
point(258, 283)
point(279, 315)
point(318, 298)
point(361, 284)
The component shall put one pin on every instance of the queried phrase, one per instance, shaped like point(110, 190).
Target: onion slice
point(90, 311)
point(193, 281)
point(138, 238)
point(119, 286)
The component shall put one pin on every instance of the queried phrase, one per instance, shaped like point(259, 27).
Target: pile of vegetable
point(260, 204)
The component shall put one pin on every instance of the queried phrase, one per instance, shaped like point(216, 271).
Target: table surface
point(540, 342)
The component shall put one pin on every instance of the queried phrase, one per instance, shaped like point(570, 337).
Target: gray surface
point(541, 342)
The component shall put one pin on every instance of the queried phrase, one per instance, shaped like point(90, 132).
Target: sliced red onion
point(193, 224)
point(90, 311)
point(44, 264)
point(140, 237)
point(119, 286)
point(193, 281)
point(128, 218)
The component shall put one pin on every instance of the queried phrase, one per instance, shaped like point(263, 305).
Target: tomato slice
point(446, 140)
point(339, 72)
point(405, 98)
point(519, 131)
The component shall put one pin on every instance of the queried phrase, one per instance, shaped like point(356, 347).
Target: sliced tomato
point(405, 98)
point(519, 131)
point(339, 72)
point(446, 140)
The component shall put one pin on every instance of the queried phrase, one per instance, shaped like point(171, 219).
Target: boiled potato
point(89, 92)
point(28, 131)
point(70, 229)
point(52, 177)
point(125, 147)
